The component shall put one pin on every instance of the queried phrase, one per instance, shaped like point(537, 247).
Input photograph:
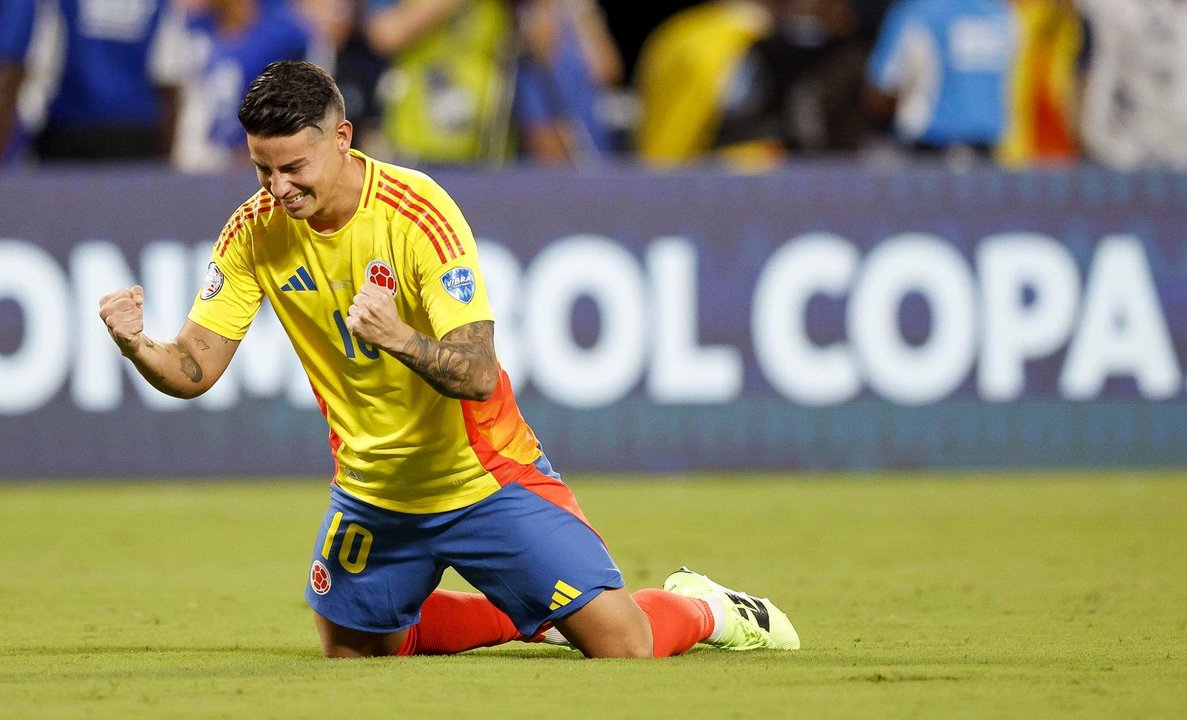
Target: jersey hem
point(422, 507)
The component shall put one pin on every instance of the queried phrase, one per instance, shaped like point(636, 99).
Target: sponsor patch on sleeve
point(214, 282)
point(459, 283)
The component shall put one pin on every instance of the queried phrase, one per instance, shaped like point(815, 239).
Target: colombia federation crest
point(319, 577)
point(381, 274)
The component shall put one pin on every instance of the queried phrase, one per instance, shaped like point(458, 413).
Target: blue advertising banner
point(825, 316)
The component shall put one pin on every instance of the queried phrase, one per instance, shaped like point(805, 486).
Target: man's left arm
point(461, 365)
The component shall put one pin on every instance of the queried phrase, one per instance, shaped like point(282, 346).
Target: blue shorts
point(536, 561)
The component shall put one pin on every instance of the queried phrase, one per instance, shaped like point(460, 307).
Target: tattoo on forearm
point(190, 367)
point(458, 364)
point(161, 372)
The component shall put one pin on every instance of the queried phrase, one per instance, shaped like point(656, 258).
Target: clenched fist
point(123, 313)
point(372, 318)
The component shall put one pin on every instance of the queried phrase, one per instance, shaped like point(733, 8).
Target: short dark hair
point(289, 96)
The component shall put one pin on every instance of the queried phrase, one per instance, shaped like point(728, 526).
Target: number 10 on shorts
point(354, 532)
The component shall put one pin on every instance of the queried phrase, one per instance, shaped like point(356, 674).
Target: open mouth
point(293, 202)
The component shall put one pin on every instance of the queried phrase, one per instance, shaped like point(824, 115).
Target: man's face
point(301, 171)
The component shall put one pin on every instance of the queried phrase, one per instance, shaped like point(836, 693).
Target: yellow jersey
point(1044, 87)
point(397, 442)
point(683, 74)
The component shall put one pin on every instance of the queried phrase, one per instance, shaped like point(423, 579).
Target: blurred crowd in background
point(747, 83)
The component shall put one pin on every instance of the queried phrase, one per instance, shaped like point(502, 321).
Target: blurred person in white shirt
point(1135, 98)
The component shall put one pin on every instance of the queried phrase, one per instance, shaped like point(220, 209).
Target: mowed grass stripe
point(915, 595)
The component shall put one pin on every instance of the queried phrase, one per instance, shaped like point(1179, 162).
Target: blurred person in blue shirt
point(16, 30)
point(232, 42)
point(941, 68)
point(97, 79)
point(568, 62)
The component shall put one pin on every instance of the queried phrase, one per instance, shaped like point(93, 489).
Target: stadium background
point(845, 312)
point(829, 316)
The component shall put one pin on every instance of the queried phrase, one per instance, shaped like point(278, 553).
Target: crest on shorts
point(459, 283)
point(381, 274)
point(214, 282)
point(319, 578)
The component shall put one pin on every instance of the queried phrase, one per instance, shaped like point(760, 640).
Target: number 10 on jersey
point(354, 532)
point(348, 339)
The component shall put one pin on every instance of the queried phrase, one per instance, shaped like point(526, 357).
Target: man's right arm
point(185, 367)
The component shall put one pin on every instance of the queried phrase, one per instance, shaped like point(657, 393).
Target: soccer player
point(374, 274)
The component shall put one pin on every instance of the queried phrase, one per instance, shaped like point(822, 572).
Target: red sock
point(453, 622)
point(677, 622)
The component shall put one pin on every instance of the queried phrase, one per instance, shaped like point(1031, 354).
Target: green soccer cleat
point(751, 623)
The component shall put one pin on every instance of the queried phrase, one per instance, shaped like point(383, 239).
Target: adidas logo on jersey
point(299, 281)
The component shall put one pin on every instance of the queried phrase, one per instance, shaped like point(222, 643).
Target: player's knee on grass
point(610, 626)
point(633, 646)
point(343, 642)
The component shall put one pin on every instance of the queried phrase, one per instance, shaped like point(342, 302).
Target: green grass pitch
point(916, 596)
